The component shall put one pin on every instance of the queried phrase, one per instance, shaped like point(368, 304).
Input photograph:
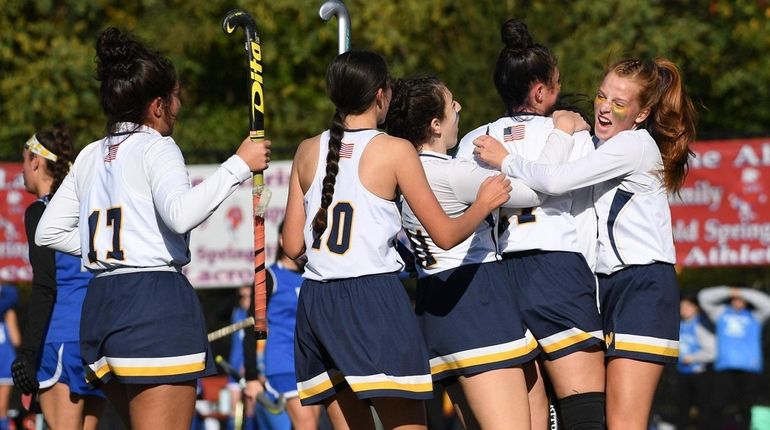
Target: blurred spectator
point(240, 313)
point(739, 348)
point(697, 349)
point(10, 338)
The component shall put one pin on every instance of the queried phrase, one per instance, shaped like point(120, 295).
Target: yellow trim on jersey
point(412, 384)
point(318, 384)
point(486, 355)
point(646, 345)
point(162, 366)
point(564, 339)
point(425, 387)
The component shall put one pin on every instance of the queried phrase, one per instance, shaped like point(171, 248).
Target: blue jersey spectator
point(738, 314)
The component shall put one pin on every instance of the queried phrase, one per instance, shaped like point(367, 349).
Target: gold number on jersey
point(422, 255)
point(113, 220)
point(342, 223)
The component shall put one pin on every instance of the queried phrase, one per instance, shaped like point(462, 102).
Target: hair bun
point(115, 53)
point(515, 35)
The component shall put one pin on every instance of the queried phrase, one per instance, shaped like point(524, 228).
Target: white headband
point(36, 147)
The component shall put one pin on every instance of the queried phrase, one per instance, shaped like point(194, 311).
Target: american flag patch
point(512, 133)
point(346, 150)
point(112, 153)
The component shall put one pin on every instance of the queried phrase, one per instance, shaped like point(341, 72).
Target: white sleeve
point(711, 300)
point(467, 176)
point(183, 208)
point(58, 227)
point(760, 301)
point(557, 149)
point(613, 159)
point(465, 147)
point(708, 345)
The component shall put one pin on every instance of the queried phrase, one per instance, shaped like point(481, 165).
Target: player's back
point(550, 226)
point(480, 247)
point(361, 227)
point(116, 203)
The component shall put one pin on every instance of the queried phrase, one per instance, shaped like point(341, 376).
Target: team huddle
point(544, 254)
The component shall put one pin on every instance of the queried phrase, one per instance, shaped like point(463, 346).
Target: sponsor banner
point(721, 217)
point(14, 250)
point(222, 248)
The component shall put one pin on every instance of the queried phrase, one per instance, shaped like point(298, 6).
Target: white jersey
point(455, 182)
point(630, 200)
point(552, 225)
point(127, 203)
point(360, 236)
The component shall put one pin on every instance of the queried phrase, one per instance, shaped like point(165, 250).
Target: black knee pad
point(582, 411)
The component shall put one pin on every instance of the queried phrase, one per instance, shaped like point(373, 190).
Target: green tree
point(47, 58)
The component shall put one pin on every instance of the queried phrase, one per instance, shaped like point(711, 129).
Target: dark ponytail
point(352, 81)
point(59, 142)
point(415, 103)
point(521, 64)
point(131, 77)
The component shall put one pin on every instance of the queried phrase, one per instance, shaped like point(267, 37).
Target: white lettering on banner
point(706, 160)
point(748, 156)
point(702, 193)
point(714, 231)
point(744, 255)
point(13, 273)
point(14, 250)
point(686, 231)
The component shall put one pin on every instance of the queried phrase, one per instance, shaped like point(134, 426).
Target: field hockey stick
point(335, 7)
point(274, 406)
point(230, 329)
point(260, 194)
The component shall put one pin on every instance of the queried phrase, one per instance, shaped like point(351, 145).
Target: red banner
point(14, 255)
point(722, 215)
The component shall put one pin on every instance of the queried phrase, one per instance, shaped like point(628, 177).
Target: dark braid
point(58, 141)
point(352, 82)
point(332, 168)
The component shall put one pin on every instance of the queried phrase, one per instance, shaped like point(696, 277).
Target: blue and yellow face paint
point(619, 111)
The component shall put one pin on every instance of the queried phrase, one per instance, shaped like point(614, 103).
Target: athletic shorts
point(7, 355)
point(359, 333)
point(471, 321)
point(282, 384)
point(556, 292)
point(61, 363)
point(144, 328)
point(640, 308)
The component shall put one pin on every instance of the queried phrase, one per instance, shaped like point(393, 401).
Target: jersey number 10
point(114, 221)
point(339, 237)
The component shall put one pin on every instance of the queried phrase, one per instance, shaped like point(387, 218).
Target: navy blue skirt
point(144, 328)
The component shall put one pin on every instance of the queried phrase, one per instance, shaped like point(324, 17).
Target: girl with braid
point(357, 340)
point(644, 124)
point(49, 360)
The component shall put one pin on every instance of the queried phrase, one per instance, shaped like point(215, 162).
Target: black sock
point(583, 411)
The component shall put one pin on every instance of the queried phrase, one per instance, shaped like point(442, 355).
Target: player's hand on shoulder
point(256, 154)
point(569, 122)
point(489, 150)
point(494, 191)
